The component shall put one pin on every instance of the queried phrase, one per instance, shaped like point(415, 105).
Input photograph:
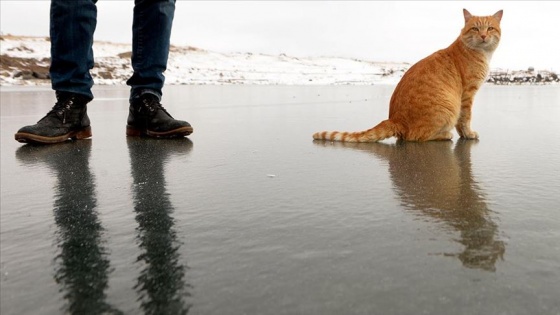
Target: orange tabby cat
point(436, 94)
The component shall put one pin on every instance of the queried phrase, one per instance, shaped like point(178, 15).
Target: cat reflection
point(82, 264)
point(436, 179)
point(161, 284)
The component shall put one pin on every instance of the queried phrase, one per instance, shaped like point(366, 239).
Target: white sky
point(371, 30)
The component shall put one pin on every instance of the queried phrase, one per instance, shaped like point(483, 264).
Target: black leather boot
point(68, 119)
point(147, 117)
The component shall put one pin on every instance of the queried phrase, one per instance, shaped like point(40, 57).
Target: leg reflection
point(82, 266)
point(161, 285)
point(436, 180)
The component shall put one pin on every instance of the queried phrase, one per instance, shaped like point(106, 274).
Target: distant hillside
point(25, 61)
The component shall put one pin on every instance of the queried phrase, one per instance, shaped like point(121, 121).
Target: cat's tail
point(383, 130)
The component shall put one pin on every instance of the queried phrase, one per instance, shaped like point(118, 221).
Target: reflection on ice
point(161, 285)
point(435, 180)
point(82, 266)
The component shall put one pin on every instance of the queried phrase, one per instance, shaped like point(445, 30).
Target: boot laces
point(152, 104)
point(61, 108)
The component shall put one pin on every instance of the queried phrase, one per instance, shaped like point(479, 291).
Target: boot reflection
point(161, 285)
point(82, 266)
point(437, 181)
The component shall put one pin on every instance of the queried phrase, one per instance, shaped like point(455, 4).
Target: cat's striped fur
point(436, 94)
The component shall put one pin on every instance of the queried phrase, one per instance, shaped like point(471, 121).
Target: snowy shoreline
point(25, 61)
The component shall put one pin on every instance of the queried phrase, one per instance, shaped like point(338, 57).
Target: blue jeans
point(72, 24)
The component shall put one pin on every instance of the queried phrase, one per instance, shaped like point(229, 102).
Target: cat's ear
point(467, 15)
point(498, 15)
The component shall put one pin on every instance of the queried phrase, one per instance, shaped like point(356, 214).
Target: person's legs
point(151, 33)
point(72, 24)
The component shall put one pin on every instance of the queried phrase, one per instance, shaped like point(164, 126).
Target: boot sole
point(24, 137)
point(175, 133)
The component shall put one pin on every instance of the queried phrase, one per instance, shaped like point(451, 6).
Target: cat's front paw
point(472, 135)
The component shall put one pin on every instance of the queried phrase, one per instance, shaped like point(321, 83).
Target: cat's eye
point(490, 28)
point(474, 29)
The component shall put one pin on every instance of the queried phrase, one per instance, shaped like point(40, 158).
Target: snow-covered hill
point(25, 61)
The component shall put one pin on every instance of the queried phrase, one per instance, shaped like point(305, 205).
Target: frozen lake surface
point(250, 216)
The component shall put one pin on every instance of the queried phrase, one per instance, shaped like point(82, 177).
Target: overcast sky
point(371, 30)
